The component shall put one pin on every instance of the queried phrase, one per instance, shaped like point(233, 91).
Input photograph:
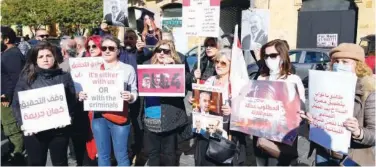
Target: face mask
point(273, 64)
point(342, 67)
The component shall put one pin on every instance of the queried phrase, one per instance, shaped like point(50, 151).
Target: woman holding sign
point(42, 70)
point(277, 68)
point(114, 127)
point(222, 63)
point(350, 58)
point(163, 117)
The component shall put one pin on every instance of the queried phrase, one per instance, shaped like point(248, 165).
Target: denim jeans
point(103, 131)
point(324, 159)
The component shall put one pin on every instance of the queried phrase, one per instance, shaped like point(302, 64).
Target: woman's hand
point(226, 110)
point(168, 60)
point(306, 116)
point(197, 74)
point(82, 96)
point(26, 133)
point(126, 96)
point(352, 125)
point(262, 142)
point(191, 99)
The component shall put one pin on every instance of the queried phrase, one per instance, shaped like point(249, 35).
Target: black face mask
point(3, 46)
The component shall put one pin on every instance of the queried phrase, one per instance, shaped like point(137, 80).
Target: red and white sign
point(161, 80)
point(201, 17)
point(78, 65)
point(44, 108)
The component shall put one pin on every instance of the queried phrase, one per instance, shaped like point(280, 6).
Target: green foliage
point(71, 15)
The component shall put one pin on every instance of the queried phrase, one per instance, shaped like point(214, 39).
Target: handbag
point(117, 117)
point(221, 150)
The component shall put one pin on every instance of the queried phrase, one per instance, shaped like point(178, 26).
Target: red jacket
point(370, 61)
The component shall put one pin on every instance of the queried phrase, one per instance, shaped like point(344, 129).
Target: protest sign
point(44, 108)
point(115, 12)
point(161, 80)
point(207, 113)
point(103, 89)
point(267, 109)
point(201, 17)
point(330, 104)
point(78, 65)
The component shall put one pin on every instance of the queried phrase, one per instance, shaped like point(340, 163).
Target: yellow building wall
point(366, 18)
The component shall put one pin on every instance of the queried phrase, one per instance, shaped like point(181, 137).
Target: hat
point(349, 51)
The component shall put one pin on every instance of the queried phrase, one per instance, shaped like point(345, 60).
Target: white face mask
point(339, 67)
point(273, 64)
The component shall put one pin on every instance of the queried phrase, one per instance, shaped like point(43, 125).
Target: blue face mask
point(342, 68)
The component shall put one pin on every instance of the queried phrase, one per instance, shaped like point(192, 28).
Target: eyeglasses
point(221, 63)
point(43, 36)
point(272, 55)
point(213, 45)
point(91, 47)
point(165, 51)
point(110, 48)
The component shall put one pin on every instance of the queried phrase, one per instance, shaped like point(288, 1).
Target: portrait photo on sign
point(208, 125)
point(207, 99)
point(255, 27)
point(116, 12)
point(161, 80)
point(267, 109)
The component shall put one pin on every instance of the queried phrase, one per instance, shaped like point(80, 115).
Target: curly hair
point(362, 69)
point(174, 54)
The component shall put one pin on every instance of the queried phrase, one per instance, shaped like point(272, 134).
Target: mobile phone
point(349, 162)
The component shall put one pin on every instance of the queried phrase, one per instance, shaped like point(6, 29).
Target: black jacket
point(45, 78)
point(207, 70)
point(12, 62)
point(173, 112)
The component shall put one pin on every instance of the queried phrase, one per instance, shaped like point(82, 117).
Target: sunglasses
point(165, 51)
point(273, 55)
point(43, 36)
point(110, 48)
point(221, 63)
point(213, 45)
point(91, 47)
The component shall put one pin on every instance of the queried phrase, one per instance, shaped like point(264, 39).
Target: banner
point(77, 65)
point(255, 28)
point(103, 89)
point(330, 105)
point(201, 17)
point(115, 12)
point(207, 114)
point(161, 80)
point(267, 109)
point(44, 108)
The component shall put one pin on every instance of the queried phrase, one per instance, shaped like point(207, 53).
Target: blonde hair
point(362, 69)
point(224, 52)
point(173, 53)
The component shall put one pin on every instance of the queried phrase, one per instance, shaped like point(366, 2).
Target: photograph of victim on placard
point(207, 99)
point(155, 80)
point(208, 125)
point(267, 109)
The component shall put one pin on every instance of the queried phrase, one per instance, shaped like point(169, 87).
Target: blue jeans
point(324, 159)
point(103, 131)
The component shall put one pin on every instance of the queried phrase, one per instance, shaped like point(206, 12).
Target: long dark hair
point(31, 63)
point(283, 50)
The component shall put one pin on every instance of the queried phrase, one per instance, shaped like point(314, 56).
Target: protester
point(68, 49)
point(42, 70)
point(207, 69)
point(12, 62)
point(42, 35)
point(163, 116)
point(277, 68)
point(80, 41)
point(222, 68)
point(349, 58)
point(103, 128)
point(151, 33)
point(92, 46)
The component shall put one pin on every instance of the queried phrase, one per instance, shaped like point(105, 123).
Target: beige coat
point(362, 151)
